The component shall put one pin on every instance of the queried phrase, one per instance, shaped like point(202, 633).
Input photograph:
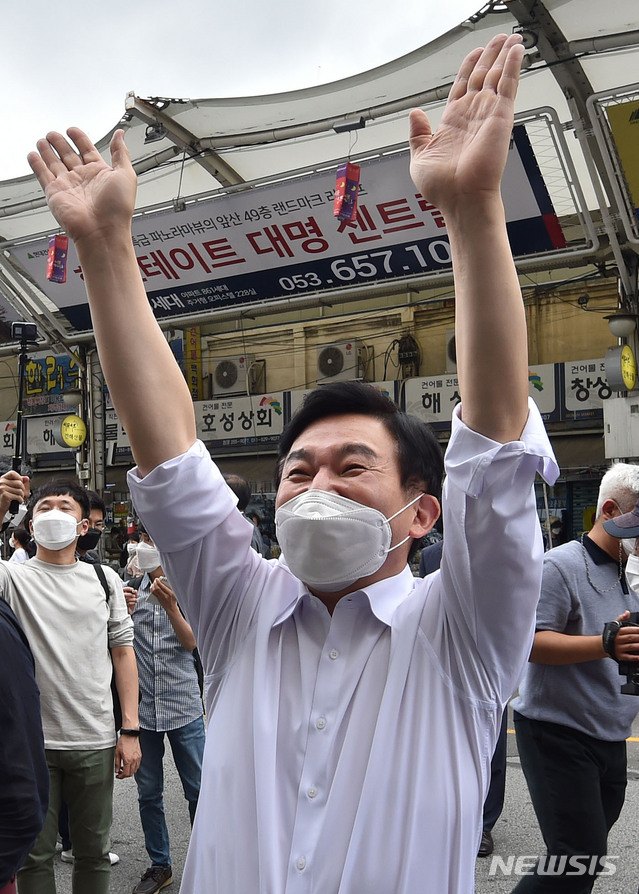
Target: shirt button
point(333, 654)
point(301, 863)
point(312, 792)
point(321, 723)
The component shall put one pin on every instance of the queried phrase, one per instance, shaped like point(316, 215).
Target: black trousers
point(494, 803)
point(577, 786)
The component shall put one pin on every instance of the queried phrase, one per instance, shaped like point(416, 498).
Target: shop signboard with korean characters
point(433, 398)
point(118, 446)
point(46, 377)
point(8, 430)
point(544, 388)
point(241, 424)
point(42, 434)
point(282, 240)
point(585, 390)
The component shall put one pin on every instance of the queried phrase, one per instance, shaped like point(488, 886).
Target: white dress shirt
point(351, 752)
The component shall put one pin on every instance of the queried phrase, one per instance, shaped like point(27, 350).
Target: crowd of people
point(353, 710)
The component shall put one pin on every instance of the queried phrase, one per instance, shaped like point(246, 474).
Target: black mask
point(90, 539)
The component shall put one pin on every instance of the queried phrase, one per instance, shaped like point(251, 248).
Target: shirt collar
point(596, 553)
point(384, 597)
point(601, 557)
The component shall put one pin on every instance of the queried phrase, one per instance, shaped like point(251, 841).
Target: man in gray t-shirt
point(570, 716)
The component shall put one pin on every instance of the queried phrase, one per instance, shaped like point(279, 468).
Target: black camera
point(25, 332)
point(630, 669)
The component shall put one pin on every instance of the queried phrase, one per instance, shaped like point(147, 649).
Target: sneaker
point(67, 857)
point(154, 879)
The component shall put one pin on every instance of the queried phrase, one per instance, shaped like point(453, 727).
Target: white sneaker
point(67, 857)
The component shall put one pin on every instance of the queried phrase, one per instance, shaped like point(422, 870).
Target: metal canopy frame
point(297, 122)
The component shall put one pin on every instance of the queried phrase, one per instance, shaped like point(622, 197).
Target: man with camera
point(571, 716)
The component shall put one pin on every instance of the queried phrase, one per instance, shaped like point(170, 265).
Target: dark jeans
point(577, 786)
point(187, 745)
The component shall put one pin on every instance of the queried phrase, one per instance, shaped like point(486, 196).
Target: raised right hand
point(13, 487)
point(87, 196)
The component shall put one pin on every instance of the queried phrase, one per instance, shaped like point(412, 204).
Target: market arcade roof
point(576, 49)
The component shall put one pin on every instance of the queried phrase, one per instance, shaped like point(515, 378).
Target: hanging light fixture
point(622, 323)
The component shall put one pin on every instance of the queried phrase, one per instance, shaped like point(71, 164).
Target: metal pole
point(17, 456)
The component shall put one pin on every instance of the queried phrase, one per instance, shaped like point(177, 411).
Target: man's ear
point(428, 511)
point(85, 524)
point(609, 509)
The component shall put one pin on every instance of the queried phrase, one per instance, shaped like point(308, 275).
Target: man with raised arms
point(353, 710)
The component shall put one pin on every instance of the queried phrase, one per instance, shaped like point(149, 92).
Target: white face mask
point(131, 548)
point(148, 557)
point(628, 544)
point(54, 529)
point(329, 541)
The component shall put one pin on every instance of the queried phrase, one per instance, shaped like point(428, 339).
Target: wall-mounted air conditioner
point(339, 362)
point(230, 375)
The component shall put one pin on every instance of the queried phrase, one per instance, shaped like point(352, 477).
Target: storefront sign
point(283, 240)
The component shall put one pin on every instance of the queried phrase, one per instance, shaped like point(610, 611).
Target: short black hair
point(57, 487)
point(96, 501)
point(420, 457)
point(240, 488)
point(21, 535)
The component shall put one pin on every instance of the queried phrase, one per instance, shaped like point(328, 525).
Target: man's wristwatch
point(129, 732)
point(610, 631)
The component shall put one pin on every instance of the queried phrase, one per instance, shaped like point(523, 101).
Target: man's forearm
point(182, 629)
point(120, 312)
point(551, 647)
point(490, 324)
point(126, 681)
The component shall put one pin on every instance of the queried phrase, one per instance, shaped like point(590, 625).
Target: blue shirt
point(169, 688)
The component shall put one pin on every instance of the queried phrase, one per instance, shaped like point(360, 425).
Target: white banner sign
point(434, 398)
point(283, 240)
point(40, 436)
point(585, 388)
point(8, 429)
point(234, 421)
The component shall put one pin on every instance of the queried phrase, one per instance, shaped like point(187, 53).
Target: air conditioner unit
point(339, 362)
point(231, 374)
point(451, 352)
